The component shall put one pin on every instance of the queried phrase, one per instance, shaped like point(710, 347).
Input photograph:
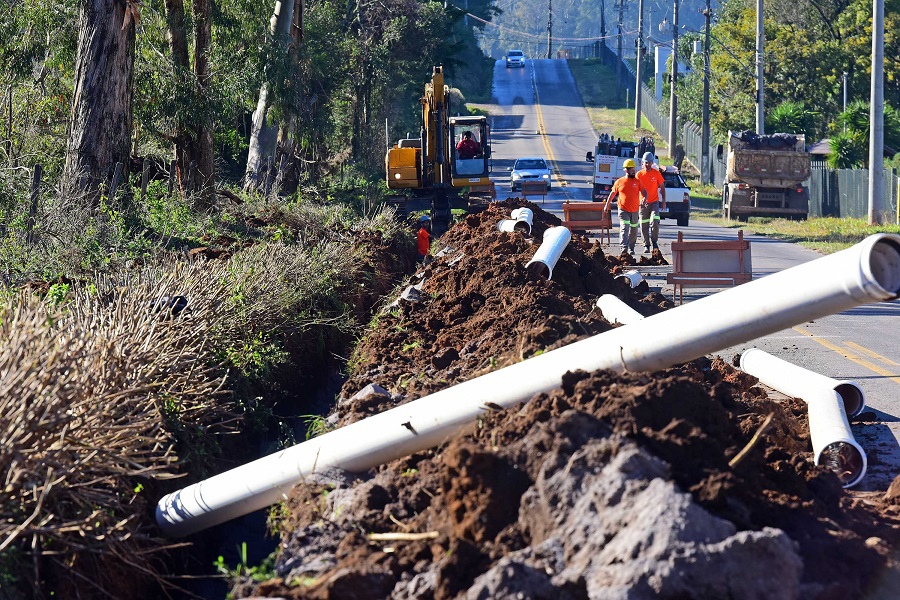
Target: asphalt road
point(537, 112)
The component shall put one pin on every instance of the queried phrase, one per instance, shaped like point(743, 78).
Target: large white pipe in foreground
point(795, 381)
point(867, 272)
point(551, 248)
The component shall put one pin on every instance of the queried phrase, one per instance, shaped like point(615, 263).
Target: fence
point(832, 192)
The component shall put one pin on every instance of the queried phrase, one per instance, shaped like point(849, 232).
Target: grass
point(596, 84)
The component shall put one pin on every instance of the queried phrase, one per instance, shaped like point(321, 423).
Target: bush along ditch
point(610, 486)
point(121, 385)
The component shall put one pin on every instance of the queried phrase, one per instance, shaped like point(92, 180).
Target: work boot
point(655, 246)
point(646, 248)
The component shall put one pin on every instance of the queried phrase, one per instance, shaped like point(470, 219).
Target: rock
point(444, 357)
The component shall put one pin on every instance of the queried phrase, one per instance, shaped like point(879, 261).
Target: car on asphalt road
point(678, 197)
point(515, 58)
point(529, 169)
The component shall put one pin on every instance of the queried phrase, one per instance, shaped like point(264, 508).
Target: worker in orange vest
point(423, 238)
point(631, 194)
point(655, 184)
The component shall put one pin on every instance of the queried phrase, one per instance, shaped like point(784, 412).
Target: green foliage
point(792, 117)
point(265, 570)
point(850, 143)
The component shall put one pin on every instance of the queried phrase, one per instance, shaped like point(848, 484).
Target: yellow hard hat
point(628, 163)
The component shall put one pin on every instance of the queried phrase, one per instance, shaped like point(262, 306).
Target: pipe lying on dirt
point(633, 278)
point(525, 215)
point(555, 241)
point(512, 226)
point(834, 446)
point(616, 311)
point(795, 381)
point(833, 443)
point(867, 272)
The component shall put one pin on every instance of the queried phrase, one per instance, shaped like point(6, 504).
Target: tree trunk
point(203, 150)
point(263, 139)
point(194, 156)
point(100, 126)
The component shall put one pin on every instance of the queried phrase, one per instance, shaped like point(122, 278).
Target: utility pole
point(640, 47)
point(619, 51)
point(877, 214)
point(550, 28)
point(844, 81)
point(760, 41)
point(705, 174)
point(673, 101)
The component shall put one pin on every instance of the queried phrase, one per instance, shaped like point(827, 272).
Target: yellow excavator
point(450, 154)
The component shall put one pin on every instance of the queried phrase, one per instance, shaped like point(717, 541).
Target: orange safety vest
point(424, 241)
point(652, 179)
point(628, 192)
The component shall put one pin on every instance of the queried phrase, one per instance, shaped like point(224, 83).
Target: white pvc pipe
point(633, 278)
point(828, 409)
point(616, 311)
point(833, 444)
point(795, 381)
point(512, 226)
point(867, 272)
point(525, 215)
point(555, 241)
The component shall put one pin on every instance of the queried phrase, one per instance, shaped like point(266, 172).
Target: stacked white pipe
point(521, 220)
point(867, 272)
point(828, 401)
point(555, 241)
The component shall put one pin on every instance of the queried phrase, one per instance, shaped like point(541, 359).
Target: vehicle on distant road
point(529, 169)
point(515, 58)
point(678, 197)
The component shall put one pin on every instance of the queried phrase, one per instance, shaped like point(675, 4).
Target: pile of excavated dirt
point(612, 486)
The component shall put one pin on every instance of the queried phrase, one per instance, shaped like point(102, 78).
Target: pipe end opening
point(522, 227)
point(854, 401)
point(845, 460)
point(539, 269)
point(884, 261)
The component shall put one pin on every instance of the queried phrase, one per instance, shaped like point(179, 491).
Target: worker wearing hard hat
point(631, 194)
point(655, 185)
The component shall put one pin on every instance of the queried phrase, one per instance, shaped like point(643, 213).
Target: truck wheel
point(682, 220)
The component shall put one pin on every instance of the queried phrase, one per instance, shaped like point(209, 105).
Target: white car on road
point(515, 58)
point(529, 169)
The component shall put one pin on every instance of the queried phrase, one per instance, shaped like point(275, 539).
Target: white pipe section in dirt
point(616, 311)
point(867, 272)
point(512, 226)
point(525, 215)
point(795, 381)
point(633, 278)
point(832, 440)
point(555, 241)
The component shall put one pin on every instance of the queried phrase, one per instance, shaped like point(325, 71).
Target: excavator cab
point(470, 151)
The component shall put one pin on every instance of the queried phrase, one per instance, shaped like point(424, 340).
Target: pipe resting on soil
point(828, 400)
point(867, 272)
point(615, 310)
point(555, 241)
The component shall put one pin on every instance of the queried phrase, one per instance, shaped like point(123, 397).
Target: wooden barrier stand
point(583, 216)
point(709, 264)
point(534, 188)
point(483, 192)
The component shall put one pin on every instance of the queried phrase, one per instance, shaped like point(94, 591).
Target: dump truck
point(427, 172)
point(765, 176)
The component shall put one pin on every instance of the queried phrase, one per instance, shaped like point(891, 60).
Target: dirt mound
point(612, 486)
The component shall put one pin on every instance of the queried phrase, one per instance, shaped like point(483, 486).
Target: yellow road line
point(543, 132)
point(871, 354)
point(850, 356)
